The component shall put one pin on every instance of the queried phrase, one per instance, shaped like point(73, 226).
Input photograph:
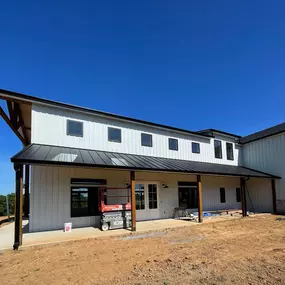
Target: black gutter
point(91, 111)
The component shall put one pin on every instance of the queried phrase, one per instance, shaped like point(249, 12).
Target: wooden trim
point(9, 123)
point(200, 200)
point(133, 195)
point(21, 122)
point(243, 197)
point(27, 188)
point(12, 114)
point(273, 188)
point(18, 233)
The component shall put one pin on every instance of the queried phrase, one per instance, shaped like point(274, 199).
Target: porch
point(144, 229)
point(154, 183)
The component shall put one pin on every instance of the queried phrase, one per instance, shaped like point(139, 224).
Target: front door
point(147, 206)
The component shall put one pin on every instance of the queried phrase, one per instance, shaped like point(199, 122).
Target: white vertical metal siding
point(259, 195)
point(268, 155)
point(211, 193)
point(51, 195)
point(49, 127)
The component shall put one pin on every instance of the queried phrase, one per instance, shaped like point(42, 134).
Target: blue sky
point(189, 64)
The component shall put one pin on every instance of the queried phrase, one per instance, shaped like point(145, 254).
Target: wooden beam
point(18, 206)
point(27, 190)
point(9, 123)
point(133, 195)
point(243, 197)
point(12, 114)
point(200, 200)
point(273, 188)
point(21, 121)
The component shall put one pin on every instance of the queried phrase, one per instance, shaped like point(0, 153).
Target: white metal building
point(70, 152)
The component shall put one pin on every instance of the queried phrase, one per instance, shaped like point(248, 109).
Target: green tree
point(3, 206)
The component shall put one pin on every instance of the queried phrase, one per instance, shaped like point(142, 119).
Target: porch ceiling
point(56, 155)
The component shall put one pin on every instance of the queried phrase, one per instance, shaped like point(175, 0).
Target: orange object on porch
point(103, 198)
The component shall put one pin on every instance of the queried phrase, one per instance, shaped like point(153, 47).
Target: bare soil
point(241, 251)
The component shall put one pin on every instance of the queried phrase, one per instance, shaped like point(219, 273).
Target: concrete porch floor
point(49, 237)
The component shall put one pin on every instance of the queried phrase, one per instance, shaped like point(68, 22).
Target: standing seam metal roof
point(56, 155)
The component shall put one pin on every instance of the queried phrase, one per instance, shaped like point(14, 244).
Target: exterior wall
point(50, 193)
point(259, 195)
point(211, 193)
point(268, 155)
point(49, 127)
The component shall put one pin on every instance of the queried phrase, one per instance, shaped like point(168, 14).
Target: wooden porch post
point(27, 190)
point(273, 188)
point(200, 202)
point(243, 196)
point(133, 194)
point(18, 206)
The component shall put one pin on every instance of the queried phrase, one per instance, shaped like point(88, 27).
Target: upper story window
point(114, 135)
point(230, 151)
point(195, 147)
point(74, 128)
point(218, 149)
point(146, 140)
point(173, 144)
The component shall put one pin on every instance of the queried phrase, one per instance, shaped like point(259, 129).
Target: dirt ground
point(242, 251)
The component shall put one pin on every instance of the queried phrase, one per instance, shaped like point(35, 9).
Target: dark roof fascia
point(260, 138)
point(33, 99)
point(219, 132)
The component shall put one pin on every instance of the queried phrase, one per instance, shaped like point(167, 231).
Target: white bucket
point(67, 227)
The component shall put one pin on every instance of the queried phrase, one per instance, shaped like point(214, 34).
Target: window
point(173, 144)
point(152, 196)
point(218, 149)
point(84, 197)
point(114, 135)
point(195, 147)
point(230, 151)
point(146, 140)
point(139, 192)
point(188, 195)
point(222, 195)
point(74, 128)
point(238, 194)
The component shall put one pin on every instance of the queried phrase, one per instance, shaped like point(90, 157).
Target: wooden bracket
point(10, 124)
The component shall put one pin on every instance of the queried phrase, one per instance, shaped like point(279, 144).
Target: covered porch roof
point(56, 155)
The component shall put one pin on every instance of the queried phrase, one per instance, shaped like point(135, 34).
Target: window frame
point(189, 190)
point(172, 139)
point(149, 135)
point(232, 151)
point(68, 133)
point(114, 140)
point(197, 144)
point(72, 214)
point(221, 149)
point(92, 189)
point(140, 203)
point(223, 195)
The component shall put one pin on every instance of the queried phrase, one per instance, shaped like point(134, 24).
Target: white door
point(147, 206)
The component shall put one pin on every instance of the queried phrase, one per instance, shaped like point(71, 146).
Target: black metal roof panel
point(56, 155)
point(263, 134)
